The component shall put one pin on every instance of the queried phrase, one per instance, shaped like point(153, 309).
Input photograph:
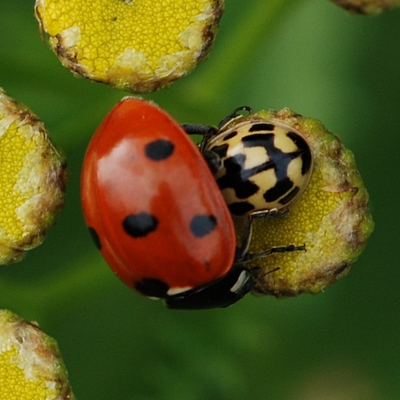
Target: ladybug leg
point(196, 129)
point(248, 230)
point(243, 254)
point(276, 249)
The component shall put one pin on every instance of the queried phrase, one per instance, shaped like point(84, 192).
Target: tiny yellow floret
point(31, 367)
point(137, 45)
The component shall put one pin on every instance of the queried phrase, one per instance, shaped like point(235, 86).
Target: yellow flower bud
point(139, 45)
point(331, 218)
point(31, 367)
point(32, 180)
point(367, 6)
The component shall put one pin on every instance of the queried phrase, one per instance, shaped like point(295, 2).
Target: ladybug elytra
point(259, 164)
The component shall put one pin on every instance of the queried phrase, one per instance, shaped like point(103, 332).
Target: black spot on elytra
point(237, 177)
point(278, 159)
point(230, 135)
point(139, 225)
point(95, 236)
point(280, 189)
point(159, 149)
point(304, 151)
point(265, 140)
point(262, 127)
point(152, 287)
point(240, 207)
point(290, 196)
point(202, 225)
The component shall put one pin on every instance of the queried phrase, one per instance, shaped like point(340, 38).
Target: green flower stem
point(228, 60)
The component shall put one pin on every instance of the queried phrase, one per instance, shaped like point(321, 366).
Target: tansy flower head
point(369, 7)
point(331, 218)
point(31, 367)
point(32, 180)
point(135, 45)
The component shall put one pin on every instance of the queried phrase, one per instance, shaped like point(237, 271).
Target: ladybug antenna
point(270, 272)
point(257, 286)
point(234, 115)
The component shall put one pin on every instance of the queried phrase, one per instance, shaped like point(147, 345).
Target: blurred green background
point(341, 344)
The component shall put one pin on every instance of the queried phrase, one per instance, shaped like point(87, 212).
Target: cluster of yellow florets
point(331, 219)
point(139, 45)
point(32, 180)
point(31, 367)
point(369, 7)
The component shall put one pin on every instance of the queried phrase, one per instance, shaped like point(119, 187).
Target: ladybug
point(157, 215)
point(260, 165)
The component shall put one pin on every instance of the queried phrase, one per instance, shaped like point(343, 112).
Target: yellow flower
point(31, 367)
point(367, 6)
point(136, 45)
point(331, 218)
point(32, 180)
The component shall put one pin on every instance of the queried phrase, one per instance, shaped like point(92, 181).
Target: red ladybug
point(155, 211)
point(157, 215)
